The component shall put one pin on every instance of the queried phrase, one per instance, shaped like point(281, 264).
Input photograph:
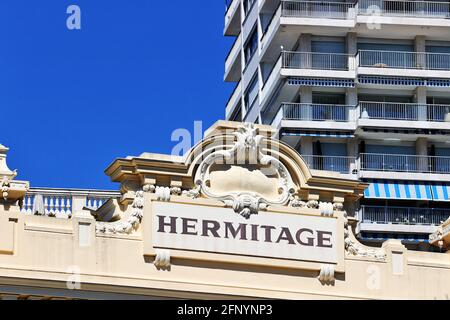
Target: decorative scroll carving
point(354, 248)
point(192, 193)
point(247, 148)
point(129, 224)
point(326, 276)
point(162, 259)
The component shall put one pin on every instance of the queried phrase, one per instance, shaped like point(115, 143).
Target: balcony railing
point(330, 163)
point(315, 60)
point(404, 163)
point(429, 9)
point(404, 60)
point(61, 203)
point(316, 9)
point(316, 112)
point(402, 215)
point(404, 111)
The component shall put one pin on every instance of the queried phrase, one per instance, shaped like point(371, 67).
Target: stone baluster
point(68, 207)
point(51, 211)
point(29, 205)
point(57, 206)
point(62, 209)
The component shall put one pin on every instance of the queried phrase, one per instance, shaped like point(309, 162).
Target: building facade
point(356, 87)
point(239, 216)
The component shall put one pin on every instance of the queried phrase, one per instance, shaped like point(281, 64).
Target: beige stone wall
point(44, 251)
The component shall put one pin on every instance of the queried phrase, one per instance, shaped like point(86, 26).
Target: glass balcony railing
point(403, 60)
point(404, 111)
point(404, 163)
point(317, 112)
point(315, 60)
point(330, 163)
point(429, 9)
point(316, 9)
point(403, 215)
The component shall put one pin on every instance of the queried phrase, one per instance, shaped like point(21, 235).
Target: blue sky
point(71, 101)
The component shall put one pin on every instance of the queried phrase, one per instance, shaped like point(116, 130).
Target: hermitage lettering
point(247, 232)
point(291, 236)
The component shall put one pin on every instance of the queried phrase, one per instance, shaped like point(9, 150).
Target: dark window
point(251, 46)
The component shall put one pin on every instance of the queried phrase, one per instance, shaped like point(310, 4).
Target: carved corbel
point(162, 259)
point(326, 209)
point(326, 276)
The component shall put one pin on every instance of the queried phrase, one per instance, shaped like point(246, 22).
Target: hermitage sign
point(219, 230)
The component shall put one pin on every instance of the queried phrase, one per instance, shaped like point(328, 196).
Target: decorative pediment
point(243, 176)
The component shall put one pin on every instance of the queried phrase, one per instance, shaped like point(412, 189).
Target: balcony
point(312, 64)
point(404, 163)
point(404, 111)
point(403, 215)
point(234, 100)
point(403, 63)
point(401, 219)
point(392, 8)
point(233, 63)
point(317, 116)
point(316, 61)
point(232, 17)
point(344, 165)
point(317, 112)
point(316, 9)
point(62, 203)
point(406, 115)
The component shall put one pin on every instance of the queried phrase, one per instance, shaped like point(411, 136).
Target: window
point(237, 114)
point(248, 5)
point(251, 46)
point(252, 93)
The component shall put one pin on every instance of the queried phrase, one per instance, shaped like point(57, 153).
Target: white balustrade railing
point(61, 203)
point(330, 163)
point(316, 9)
point(403, 60)
point(404, 111)
point(429, 9)
point(404, 163)
point(315, 60)
point(317, 112)
point(403, 215)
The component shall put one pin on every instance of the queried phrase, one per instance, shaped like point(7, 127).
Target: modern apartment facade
point(357, 87)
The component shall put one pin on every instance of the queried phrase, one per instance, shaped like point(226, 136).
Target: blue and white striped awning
point(438, 83)
point(323, 134)
point(393, 81)
point(321, 82)
point(401, 190)
point(441, 191)
point(403, 81)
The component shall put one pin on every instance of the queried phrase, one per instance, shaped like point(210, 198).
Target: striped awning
point(321, 82)
point(393, 81)
point(323, 134)
point(441, 191)
point(400, 190)
point(404, 81)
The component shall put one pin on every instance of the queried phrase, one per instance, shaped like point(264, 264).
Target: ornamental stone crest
point(244, 176)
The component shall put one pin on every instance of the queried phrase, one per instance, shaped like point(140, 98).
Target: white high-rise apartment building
point(357, 87)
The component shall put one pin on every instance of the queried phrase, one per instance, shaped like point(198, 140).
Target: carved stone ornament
point(162, 259)
point(128, 225)
point(326, 276)
point(354, 248)
point(5, 186)
point(252, 182)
